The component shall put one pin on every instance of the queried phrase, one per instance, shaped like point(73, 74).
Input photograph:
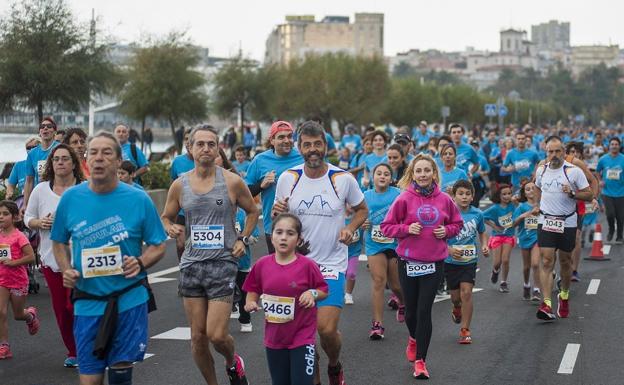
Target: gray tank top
point(210, 232)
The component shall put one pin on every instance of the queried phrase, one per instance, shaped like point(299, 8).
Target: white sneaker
point(246, 328)
point(235, 313)
point(348, 299)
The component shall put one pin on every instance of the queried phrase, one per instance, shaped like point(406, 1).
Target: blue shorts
point(128, 345)
point(336, 293)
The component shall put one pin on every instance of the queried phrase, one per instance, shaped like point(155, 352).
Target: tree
point(162, 82)
point(410, 102)
point(236, 88)
point(48, 60)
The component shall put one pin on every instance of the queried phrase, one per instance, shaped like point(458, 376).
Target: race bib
point(378, 235)
point(101, 261)
point(505, 221)
point(614, 174)
point(553, 225)
point(469, 252)
point(415, 269)
point(530, 223)
point(207, 237)
point(278, 310)
point(328, 273)
point(40, 168)
point(522, 165)
point(343, 164)
point(356, 236)
point(5, 252)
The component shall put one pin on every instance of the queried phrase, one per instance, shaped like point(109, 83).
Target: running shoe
point(235, 313)
point(400, 314)
point(537, 296)
point(494, 277)
point(526, 293)
point(610, 236)
point(336, 375)
point(575, 276)
point(464, 336)
point(5, 352)
point(348, 299)
point(246, 328)
point(410, 350)
point(377, 331)
point(33, 324)
point(420, 370)
point(393, 302)
point(563, 307)
point(70, 362)
point(236, 373)
point(504, 288)
point(456, 314)
point(545, 313)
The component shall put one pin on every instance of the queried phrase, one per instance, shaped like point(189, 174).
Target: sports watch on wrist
point(314, 293)
point(245, 240)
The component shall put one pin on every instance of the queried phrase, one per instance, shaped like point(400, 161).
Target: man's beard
point(555, 162)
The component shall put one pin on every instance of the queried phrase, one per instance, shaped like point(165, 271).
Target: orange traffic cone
point(596, 251)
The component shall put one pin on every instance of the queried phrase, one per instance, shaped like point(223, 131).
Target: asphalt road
point(510, 345)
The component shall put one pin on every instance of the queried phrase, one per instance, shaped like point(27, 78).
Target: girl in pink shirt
point(289, 285)
point(15, 254)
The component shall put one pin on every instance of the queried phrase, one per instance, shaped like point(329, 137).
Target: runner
point(209, 196)
point(126, 173)
point(380, 250)
point(318, 192)
point(354, 251)
point(289, 304)
point(525, 221)
point(460, 266)
point(76, 138)
point(17, 178)
point(267, 167)
point(351, 140)
point(358, 163)
point(397, 161)
point(442, 142)
point(610, 167)
point(499, 217)
point(422, 218)
point(450, 173)
point(380, 142)
point(181, 164)
point(15, 254)
point(520, 162)
point(106, 267)
point(241, 164)
point(244, 265)
point(131, 152)
point(561, 184)
point(36, 159)
point(62, 171)
point(467, 158)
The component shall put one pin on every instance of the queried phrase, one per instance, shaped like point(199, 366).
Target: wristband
point(142, 266)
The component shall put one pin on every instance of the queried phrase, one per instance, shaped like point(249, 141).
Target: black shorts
point(561, 241)
point(211, 279)
point(579, 221)
point(455, 274)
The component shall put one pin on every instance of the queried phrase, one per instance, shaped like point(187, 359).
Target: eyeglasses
point(61, 159)
point(48, 125)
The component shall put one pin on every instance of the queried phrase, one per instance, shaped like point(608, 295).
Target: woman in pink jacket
point(422, 219)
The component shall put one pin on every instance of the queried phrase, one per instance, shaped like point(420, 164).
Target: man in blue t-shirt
point(467, 158)
point(107, 266)
point(17, 178)
point(610, 167)
point(37, 157)
point(131, 152)
point(421, 136)
point(520, 161)
point(266, 168)
point(183, 162)
point(351, 140)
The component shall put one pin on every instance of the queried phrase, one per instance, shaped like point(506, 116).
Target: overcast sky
point(443, 24)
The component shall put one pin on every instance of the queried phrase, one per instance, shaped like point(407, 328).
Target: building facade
point(551, 36)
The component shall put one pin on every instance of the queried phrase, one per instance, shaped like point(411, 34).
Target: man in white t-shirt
point(561, 184)
point(318, 192)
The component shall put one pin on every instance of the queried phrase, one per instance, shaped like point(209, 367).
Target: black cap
point(402, 138)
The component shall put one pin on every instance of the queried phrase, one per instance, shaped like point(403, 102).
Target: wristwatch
point(245, 240)
point(572, 194)
point(314, 293)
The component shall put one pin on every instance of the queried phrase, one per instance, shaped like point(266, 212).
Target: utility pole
point(91, 106)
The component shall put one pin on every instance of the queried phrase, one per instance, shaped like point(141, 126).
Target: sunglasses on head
point(28, 148)
point(46, 125)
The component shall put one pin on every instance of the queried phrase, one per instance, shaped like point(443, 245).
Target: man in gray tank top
point(209, 196)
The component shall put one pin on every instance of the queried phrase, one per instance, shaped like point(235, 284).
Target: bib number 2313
point(207, 237)
point(101, 261)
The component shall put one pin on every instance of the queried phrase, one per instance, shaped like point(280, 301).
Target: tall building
point(302, 34)
point(586, 56)
point(551, 36)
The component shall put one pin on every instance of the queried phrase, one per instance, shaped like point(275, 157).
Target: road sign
point(502, 110)
point(445, 111)
point(490, 109)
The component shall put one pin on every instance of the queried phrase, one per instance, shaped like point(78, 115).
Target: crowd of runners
point(408, 199)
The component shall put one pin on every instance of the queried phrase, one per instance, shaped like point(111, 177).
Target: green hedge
point(157, 177)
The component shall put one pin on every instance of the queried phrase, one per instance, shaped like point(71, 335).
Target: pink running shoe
point(410, 350)
point(377, 331)
point(5, 352)
point(400, 314)
point(420, 370)
point(33, 324)
point(236, 373)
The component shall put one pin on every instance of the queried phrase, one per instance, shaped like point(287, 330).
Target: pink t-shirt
point(291, 280)
point(13, 277)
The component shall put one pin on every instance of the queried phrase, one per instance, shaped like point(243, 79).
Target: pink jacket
point(431, 212)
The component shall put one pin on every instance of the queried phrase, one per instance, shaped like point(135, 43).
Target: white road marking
point(569, 359)
point(179, 333)
point(440, 298)
point(593, 287)
point(164, 272)
point(148, 355)
point(153, 280)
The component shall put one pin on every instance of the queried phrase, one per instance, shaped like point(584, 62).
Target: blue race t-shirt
point(180, 165)
point(355, 247)
point(378, 206)
point(18, 175)
point(244, 262)
point(527, 228)
point(373, 160)
point(356, 161)
point(610, 169)
point(128, 220)
point(466, 155)
point(502, 216)
point(421, 139)
point(36, 160)
point(241, 168)
point(126, 153)
point(466, 240)
point(352, 142)
point(260, 166)
point(524, 163)
point(448, 178)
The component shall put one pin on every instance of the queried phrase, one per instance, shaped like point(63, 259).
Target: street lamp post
point(515, 96)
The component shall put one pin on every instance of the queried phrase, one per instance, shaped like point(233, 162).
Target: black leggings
point(291, 366)
point(614, 208)
point(418, 296)
point(244, 317)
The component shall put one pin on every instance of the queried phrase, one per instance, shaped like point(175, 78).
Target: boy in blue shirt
point(244, 266)
point(460, 267)
point(241, 164)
